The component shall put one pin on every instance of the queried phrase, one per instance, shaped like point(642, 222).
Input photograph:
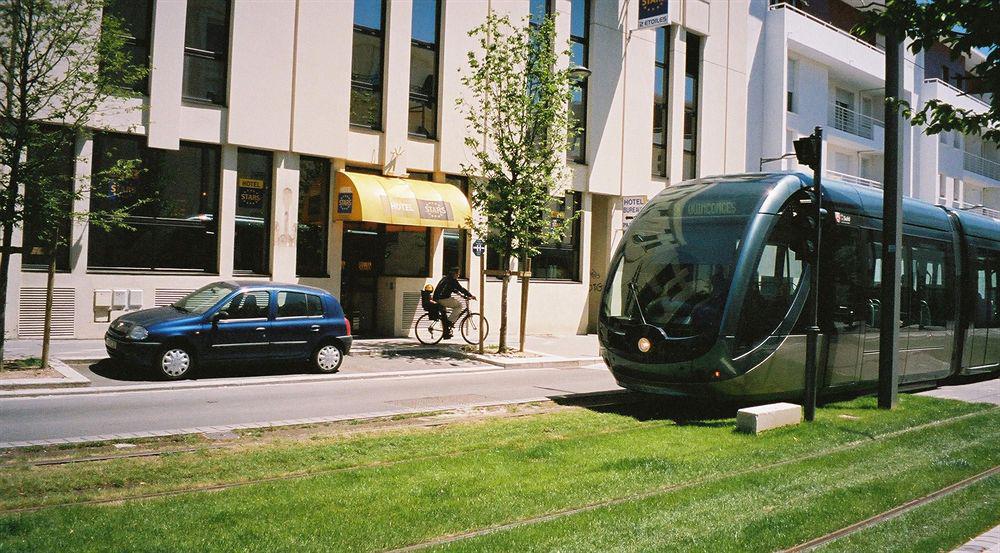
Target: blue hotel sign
point(653, 13)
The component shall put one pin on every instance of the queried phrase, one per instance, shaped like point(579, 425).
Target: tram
point(707, 292)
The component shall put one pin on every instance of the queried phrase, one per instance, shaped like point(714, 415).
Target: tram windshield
point(675, 272)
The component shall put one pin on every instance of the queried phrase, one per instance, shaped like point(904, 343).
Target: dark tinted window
point(456, 240)
point(253, 212)
point(424, 68)
point(579, 53)
point(135, 18)
point(692, 78)
point(366, 64)
point(314, 207)
point(315, 305)
point(407, 251)
point(48, 201)
point(561, 260)
point(660, 107)
point(175, 227)
point(206, 50)
point(292, 304)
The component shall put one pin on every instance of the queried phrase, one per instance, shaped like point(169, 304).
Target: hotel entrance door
point(362, 255)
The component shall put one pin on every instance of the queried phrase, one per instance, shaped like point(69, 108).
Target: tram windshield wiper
point(635, 297)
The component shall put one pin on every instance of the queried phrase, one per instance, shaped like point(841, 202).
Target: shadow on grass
point(645, 407)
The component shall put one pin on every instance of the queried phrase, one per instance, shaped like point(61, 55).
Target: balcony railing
point(958, 91)
point(777, 5)
point(982, 166)
point(850, 121)
point(853, 179)
point(982, 210)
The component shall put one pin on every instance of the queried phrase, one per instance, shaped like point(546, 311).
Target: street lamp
point(578, 73)
point(764, 160)
point(809, 151)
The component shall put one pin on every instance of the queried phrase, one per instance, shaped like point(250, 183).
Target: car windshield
point(203, 298)
point(675, 272)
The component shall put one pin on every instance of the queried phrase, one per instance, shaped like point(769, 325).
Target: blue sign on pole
point(479, 247)
point(653, 13)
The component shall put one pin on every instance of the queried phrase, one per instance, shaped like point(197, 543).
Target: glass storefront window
point(175, 227)
point(456, 241)
point(314, 208)
point(253, 212)
point(407, 250)
point(561, 260)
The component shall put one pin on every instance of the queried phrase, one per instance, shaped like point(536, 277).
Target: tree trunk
point(9, 207)
point(49, 285)
point(502, 344)
point(525, 280)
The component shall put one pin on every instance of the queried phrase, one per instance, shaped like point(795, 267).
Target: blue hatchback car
point(234, 321)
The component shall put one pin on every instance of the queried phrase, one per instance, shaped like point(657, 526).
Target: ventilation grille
point(31, 320)
point(411, 300)
point(166, 296)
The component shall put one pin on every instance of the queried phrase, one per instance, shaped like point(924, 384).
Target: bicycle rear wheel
point(428, 331)
point(470, 328)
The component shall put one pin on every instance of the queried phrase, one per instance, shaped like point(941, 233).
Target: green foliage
point(961, 25)
point(519, 127)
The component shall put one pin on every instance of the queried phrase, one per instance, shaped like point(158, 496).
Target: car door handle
point(260, 328)
point(314, 328)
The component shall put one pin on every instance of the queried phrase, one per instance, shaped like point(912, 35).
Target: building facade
point(258, 116)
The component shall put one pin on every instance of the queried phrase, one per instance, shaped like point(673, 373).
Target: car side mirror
point(219, 315)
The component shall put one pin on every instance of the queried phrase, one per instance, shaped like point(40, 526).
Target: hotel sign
point(653, 13)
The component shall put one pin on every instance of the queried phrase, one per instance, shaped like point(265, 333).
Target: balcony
point(845, 119)
point(853, 179)
point(982, 166)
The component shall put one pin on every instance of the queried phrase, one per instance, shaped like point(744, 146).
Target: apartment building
point(809, 70)
point(268, 127)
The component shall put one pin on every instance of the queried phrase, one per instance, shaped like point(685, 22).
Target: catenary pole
point(812, 333)
point(892, 224)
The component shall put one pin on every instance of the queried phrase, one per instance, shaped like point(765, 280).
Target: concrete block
point(755, 420)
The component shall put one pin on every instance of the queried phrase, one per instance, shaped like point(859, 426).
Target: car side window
point(248, 305)
point(315, 305)
point(292, 304)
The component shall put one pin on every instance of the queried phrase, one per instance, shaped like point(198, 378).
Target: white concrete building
point(257, 115)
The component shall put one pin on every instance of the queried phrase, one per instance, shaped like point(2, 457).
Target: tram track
point(671, 488)
point(890, 514)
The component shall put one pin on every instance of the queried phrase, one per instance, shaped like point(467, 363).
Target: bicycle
point(432, 331)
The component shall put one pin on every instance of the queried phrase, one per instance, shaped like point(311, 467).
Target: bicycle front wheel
point(428, 332)
point(470, 328)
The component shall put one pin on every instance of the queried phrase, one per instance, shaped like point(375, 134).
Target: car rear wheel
point(328, 358)
point(175, 362)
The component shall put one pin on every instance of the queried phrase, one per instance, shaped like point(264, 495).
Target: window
point(942, 189)
point(774, 284)
point(48, 198)
point(793, 69)
point(248, 305)
point(956, 192)
point(314, 212)
point(407, 251)
point(579, 52)
point(366, 64)
point(424, 68)
point(202, 299)
point(456, 241)
point(661, 108)
point(561, 260)
point(692, 78)
point(538, 10)
point(957, 140)
point(134, 18)
point(926, 293)
point(253, 212)
point(206, 51)
point(175, 227)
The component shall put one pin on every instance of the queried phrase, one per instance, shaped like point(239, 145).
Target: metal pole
point(812, 333)
point(892, 226)
point(482, 298)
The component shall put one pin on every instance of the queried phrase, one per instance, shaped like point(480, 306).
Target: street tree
point(519, 126)
point(962, 26)
point(63, 70)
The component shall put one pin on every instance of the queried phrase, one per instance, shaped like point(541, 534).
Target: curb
point(70, 379)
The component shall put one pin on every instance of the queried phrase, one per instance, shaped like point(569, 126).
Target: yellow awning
point(396, 201)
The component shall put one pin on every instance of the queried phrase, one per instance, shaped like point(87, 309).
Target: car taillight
point(348, 323)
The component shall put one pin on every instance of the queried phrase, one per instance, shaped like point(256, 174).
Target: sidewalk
point(989, 542)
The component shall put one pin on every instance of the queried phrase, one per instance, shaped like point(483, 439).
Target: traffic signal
point(807, 151)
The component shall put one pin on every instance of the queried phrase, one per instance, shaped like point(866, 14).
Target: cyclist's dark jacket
point(447, 286)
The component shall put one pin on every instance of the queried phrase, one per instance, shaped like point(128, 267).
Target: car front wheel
point(175, 362)
point(328, 358)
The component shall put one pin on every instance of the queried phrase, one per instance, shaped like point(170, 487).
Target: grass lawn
point(648, 477)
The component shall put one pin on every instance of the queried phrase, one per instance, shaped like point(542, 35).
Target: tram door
point(842, 302)
point(873, 307)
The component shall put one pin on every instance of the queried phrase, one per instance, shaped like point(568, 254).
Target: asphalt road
point(129, 414)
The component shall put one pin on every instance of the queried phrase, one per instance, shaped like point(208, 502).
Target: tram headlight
point(644, 344)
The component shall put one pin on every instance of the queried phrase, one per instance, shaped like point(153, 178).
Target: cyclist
point(447, 286)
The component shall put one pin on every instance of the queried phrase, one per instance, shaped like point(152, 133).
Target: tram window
point(928, 284)
point(985, 313)
point(772, 286)
point(842, 289)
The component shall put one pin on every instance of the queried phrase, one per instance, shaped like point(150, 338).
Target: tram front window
point(675, 273)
